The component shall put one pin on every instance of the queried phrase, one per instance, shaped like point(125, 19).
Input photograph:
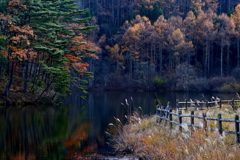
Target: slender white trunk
point(238, 53)
point(228, 59)
point(161, 61)
point(221, 57)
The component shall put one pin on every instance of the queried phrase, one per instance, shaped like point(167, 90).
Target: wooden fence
point(208, 104)
point(165, 114)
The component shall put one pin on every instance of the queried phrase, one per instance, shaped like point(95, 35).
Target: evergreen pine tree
point(156, 12)
point(56, 23)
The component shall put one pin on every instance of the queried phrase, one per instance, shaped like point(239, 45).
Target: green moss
point(230, 87)
point(159, 81)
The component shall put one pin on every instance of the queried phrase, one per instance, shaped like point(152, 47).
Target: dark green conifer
point(51, 21)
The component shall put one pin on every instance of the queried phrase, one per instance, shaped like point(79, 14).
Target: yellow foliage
point(237, 9)
point(113, 51)
point(178, 36)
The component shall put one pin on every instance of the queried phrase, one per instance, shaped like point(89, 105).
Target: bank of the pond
point(20, 98)
point(143, 138)
point(214, 84)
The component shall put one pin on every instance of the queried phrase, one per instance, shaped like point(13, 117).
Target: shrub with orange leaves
point(80, 67)
point(25, 29)
point(16, 5)
point(21, 54)
point(72, 58)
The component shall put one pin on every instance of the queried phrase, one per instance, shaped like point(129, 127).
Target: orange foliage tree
point(16, 35)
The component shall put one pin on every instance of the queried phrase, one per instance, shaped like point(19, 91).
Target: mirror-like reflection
point(75, 128)
point(47, 133)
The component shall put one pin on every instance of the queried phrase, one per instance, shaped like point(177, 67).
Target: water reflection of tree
point(78, 143)
point(29, 133)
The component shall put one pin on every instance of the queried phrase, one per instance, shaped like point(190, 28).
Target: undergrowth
point(143, 138)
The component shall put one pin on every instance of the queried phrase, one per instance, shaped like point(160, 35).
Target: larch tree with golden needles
point(189, 27)
point(236, 19)
point(226, 28)
point(133, 42)
point(207, 33)
point(161, 28)
point(179, 46)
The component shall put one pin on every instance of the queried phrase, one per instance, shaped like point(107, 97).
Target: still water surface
point(77, 127)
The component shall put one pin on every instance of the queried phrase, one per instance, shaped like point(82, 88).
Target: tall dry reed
point(145, 139)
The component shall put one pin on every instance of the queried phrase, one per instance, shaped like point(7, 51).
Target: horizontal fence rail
point(207, 104)
point(167, 114)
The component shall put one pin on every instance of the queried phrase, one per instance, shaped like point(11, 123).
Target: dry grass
point(145, 139)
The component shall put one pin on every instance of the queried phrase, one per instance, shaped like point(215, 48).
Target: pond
point(77, 127)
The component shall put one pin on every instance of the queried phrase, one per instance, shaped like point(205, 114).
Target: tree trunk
point(211, 58)
point(220, 6)
point(1, 64)
point(26, 76)
point(47, 87)
point(206, 59)
point(238, 53)
point(161, 60)
point(221, 58)
point(229, 5)
point(118, 13)
point(91, 69)
point(7, 88)
point(228, 59)
point(208, 63)
point(113, 17)
point(131, 69)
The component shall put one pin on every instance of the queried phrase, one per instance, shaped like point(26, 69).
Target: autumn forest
point(49, 47)
point(168, 45)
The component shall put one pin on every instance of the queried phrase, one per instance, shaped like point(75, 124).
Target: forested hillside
point(170, 45)
point(184, 45)
point(43, 45)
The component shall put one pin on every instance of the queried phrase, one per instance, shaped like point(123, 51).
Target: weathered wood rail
point(166, 114)
point(207, 104)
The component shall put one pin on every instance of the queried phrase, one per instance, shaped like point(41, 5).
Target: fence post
point(186, 104)
point(192, 118)
point(166, 117)
point(220, 124)
point(233, 103)
point(160, 113)
point(180, 120)
point(155, 97)
point(192, 121)
point(177, 105)
point(170, 118)
point(220, 104)
point(237, 128)
point(204, 121)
